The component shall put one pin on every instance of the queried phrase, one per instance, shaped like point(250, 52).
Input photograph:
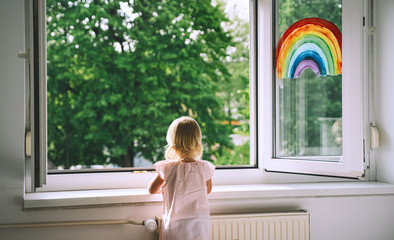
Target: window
point(120, 72)
point(312, 103)
point(312, 122)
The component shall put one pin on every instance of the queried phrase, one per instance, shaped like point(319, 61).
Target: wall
point(346, 218)
point(384, 87)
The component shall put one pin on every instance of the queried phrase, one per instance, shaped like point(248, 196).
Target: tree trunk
point(67, 163)
point(127, 160)
point(229, 117)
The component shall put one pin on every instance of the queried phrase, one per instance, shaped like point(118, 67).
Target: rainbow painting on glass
point(312, 43)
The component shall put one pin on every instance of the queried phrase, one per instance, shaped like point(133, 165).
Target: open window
point(119, 72)
point(113, 89)
point(312, 87)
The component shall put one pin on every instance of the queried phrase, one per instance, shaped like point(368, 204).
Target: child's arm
point(155, 184)
point(209, 186)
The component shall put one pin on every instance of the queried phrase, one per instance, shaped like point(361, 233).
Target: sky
point(237, 7)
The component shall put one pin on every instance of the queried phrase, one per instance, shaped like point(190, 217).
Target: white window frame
point(261, 104)
point(36, 162)
point(351, 163)
point(139, 179)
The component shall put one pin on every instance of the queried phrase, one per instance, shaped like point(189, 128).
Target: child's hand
point(209, 186)
point(154, 186)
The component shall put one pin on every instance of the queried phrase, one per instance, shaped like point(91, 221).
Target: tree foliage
point(120, 72)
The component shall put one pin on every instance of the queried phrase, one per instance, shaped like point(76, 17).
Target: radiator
point(292, 225)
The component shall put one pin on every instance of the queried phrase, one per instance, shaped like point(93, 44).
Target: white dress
point(186, 213)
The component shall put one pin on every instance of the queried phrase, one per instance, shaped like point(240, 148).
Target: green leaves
point(119, 75)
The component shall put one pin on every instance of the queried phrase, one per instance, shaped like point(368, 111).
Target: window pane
point(120, 72)
point(308, 80)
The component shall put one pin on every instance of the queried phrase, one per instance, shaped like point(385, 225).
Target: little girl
point(185, 182)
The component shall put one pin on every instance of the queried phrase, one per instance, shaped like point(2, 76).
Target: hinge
point(365, 157)
point(370, 30)
point(364, 150)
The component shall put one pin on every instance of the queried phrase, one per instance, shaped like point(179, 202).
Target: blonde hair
point(184, 139)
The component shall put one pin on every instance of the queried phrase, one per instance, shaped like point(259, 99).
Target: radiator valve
point(150, 225)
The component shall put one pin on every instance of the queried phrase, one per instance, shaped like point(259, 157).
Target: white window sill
point(222, 192)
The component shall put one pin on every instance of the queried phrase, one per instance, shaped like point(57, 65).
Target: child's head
point(184, 139)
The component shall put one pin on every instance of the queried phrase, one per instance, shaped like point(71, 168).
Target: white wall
point(347, 218)
point(11, 108)
point(384, 89)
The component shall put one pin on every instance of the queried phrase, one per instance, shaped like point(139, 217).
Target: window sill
point(219, 193)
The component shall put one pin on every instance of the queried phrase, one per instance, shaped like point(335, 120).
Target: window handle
point(28, 144)
point(374, 137)
point(25, 55)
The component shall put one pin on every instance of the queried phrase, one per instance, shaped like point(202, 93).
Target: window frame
point(137, 177)
point(261, 128)
point(36, 111)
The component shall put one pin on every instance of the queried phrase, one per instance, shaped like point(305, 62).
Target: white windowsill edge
point(141, 196)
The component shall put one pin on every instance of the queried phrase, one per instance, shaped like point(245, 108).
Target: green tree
point(119, 73)
point(234, 92)
point(235, 89)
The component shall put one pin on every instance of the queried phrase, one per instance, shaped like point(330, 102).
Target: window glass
point(120, 72)
point(308, 96)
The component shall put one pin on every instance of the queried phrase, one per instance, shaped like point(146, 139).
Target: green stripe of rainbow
point(310, 40)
